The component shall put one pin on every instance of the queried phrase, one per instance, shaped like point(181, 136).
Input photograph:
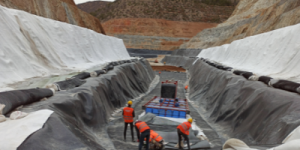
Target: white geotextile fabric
point(14, 132)
point(275, 53)
point(294, 135)
point(236, 144)
point(181, 120)
point(32, 46)
point(291, 142)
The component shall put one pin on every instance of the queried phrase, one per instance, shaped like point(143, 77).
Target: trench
point(224, 106)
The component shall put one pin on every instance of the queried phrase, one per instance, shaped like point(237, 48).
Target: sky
point(82, 1)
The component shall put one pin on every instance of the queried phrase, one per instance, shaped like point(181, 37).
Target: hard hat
point(129, 103)
point(190, 120)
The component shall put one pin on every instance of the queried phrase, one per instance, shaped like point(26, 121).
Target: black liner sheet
point(184, 62)
point(82, 75)
point(14, 99)
point(186, 52)
point(81, 114)
point(148, 51)
point(69, 84)
point(247, 110)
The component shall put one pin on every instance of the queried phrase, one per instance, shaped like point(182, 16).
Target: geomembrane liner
point(248, 110)
point(81, 114)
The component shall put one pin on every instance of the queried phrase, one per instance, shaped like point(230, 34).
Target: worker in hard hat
point(183, 130)
point(156, 141)
point(128, 115)
point(143, 131)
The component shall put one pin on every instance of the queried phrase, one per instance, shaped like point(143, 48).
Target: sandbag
point(97, 73)
point(2, 118)
point(14, 99)
point(82, 75)
point(108, 68)
point(265, 79)
point(1, 108)
point(236, 144)
point(17, 115)
point(69, 84)
point(285, 85)
point(114, 63)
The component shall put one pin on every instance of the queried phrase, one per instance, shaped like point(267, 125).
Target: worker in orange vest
point(143, 129)
point(186, 87)
point(128, 115)
point(183, 130)
point(156, 141)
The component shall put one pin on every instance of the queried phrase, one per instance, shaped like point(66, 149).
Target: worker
point(128, 115)
point(156, 141)
point(176, 102)
point(186, 87)
point(143, 129)
point(183, 130)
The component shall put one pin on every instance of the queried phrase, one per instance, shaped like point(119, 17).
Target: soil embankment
point(60, 10)
point(248, 19)
point(156, 34)
point(158, 24)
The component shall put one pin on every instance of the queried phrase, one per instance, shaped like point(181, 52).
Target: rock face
point(157, 34)
point(175, 10)
point(251, 17)
point(61, 10)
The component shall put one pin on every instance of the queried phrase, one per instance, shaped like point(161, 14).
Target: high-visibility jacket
point(142, 126)
point(186, 87)
point(127, 114)
point(184, 127)
point(155, 136)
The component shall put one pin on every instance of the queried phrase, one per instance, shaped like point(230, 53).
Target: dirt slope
point(158, 34)
point(61, 10)
point(250, 17)
point(175, 10)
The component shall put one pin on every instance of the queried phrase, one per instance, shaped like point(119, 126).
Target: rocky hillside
point(157, 34)
point(61, 10)
point(215, 11)
point(250, 17)
point(159, 24)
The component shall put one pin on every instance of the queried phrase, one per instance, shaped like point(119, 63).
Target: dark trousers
point(131, 128)
point(185, 137)
point(145, 134)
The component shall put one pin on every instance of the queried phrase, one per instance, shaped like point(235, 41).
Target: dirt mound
point(157, 34)
point(249, 18)
point(60, 10)
point(215, 11)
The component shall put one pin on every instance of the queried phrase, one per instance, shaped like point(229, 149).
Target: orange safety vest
point(184, 127)
point(142, 126)
point(154, 136)
point(186, 87)
point(128, 118)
